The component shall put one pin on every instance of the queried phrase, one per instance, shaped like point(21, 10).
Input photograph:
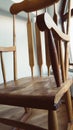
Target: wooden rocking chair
point(42, 92)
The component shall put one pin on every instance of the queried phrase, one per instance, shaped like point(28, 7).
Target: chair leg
point(25, 116)
point(69, 106)
point(52, 120)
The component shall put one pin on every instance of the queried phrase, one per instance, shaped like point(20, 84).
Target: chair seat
point(37, 92)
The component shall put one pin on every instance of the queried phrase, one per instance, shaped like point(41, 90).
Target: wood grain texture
point(39, 48)
point(53, 121)
point(48, 61)
point(43, 91)
point(54, 59)
point(40, 92)
point(51, 25)
point(30, 44)
point(30, 5)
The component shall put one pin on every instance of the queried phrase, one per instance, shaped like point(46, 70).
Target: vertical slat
point(54, 59)
point(14, 53)
point(38, 45)
point(62, 62)
point(30, 44)
point(3, 68)
point(55, 15)
point(67, 95)
point(63, 5)
point(48, 61)
point(55, 18)
point(67, 45)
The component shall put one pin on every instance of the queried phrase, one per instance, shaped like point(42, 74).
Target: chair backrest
point(62, 47)
point(6, 50)
point(50, 48)
point(63, 42)
point(64, 57)
point(66, 62)
point(30, 50)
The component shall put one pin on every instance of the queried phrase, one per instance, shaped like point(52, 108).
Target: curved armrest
point(62, 90)
point(31, 5)
point(51, 25)
point(45, 21)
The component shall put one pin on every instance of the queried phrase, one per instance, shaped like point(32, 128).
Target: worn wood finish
point(56, 40)
point(39, 49)
point(14, 93)
point(42, 92)
point(69, 106)
point(29, 6)
point(48, 61)
point(48, 94)
point(50, 24)
point(54, 60)
point(30, 44)
point(53, 121)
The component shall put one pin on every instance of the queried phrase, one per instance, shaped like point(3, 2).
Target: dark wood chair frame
point(48, 99)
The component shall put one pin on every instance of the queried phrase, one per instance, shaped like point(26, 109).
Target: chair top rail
point(31, 5)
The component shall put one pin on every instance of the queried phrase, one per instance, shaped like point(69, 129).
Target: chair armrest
point(62, 90)
point(51, 25)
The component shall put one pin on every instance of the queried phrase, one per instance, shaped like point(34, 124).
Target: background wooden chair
point(42, 92)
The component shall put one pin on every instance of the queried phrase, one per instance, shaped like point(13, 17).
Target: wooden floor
point(40, 119)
